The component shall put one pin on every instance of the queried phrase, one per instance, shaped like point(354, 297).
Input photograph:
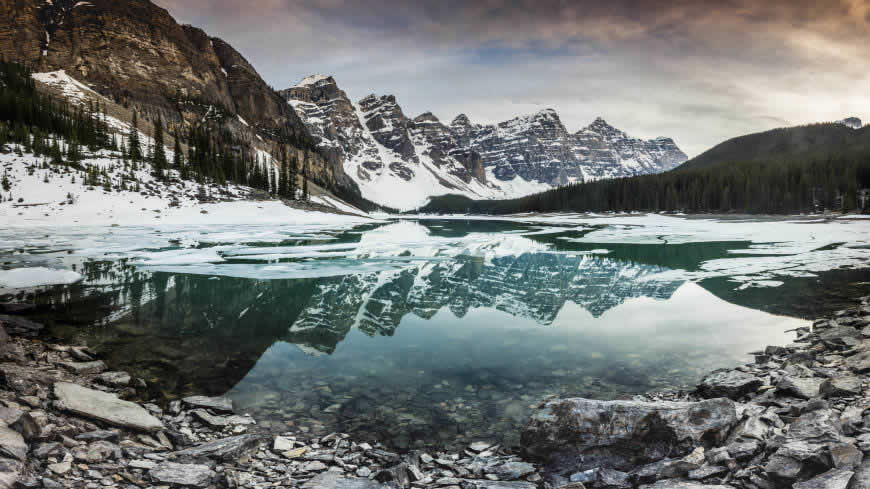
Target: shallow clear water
point(429, 332)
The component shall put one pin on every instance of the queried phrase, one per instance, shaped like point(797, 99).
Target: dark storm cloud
point(697, 70)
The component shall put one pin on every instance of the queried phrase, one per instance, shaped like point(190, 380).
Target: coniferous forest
point(828, 177)
point(61, 132)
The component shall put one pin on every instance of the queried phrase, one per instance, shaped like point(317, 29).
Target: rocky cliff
point(395, 160)
point(399, 161)
point(135, 53)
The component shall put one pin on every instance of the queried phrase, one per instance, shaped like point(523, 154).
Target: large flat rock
point(220, 404)
point(624, 434)
point(104, 407)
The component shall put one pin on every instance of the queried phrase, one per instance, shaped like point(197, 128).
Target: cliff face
point(135, 53)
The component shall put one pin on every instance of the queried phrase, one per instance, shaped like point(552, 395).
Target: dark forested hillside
point(804, 169)
point(817, 139)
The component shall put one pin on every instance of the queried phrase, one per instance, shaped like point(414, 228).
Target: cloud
point(700, 71)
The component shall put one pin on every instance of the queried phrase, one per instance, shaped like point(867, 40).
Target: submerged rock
point(104, 407)
point(625, 434)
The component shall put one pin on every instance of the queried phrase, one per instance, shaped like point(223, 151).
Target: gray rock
point(676, 484)
point(221, 421)
point(846, 456)
point(624, 434)
point(18, 326)
point(706, 471)
point(832, 479)
point(224, 449)
point(783, 468)
point(114, 379)
point(106, 435)
point(859, 363)
point(10, 472)
point(104, 407)
point(511, 470)
point(83, 368)
point(334, 480)
point(193, 475)
point(804, 388)
point(12, 444)
point(221, 404)
point(732, 384)
point(861, 479)
point(485, 484)
point(844, 386)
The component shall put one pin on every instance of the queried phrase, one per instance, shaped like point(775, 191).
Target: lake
point(425, 332)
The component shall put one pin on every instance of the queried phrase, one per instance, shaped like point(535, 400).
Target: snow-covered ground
point(55, 195)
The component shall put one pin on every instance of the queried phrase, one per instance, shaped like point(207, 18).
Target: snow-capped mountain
point(539, 148)
point(401, 162)
point(853, 122)
point(395, 161)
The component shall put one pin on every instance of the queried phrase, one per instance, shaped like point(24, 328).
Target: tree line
point(792, 184)
point(37, 123)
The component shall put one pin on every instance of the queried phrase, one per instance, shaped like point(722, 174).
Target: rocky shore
point(795, 418)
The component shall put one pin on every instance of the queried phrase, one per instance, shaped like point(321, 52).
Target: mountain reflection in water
point(437, 347)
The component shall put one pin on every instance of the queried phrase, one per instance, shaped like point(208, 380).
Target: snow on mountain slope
point(395, 161)
point(44, 194)
point(402, 162)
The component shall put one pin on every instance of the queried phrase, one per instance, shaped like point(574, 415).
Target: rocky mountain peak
point(853, 122)
point(426, 117)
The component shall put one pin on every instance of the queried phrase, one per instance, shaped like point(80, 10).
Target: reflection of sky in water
point(489, 360)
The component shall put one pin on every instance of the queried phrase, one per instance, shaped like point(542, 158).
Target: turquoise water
point(414, 333)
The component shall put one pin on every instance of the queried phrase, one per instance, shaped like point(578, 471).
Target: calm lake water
point(432, 332)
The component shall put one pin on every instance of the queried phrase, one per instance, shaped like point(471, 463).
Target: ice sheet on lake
point(36, 276)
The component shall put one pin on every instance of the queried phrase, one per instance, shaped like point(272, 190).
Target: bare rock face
point(624, 434)
point(134, 52)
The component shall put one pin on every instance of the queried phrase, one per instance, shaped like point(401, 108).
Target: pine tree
point(177, 157)
point(7, 185)
point(134, 147)
point(305, 194)
point(159, 158)
point(293, 181)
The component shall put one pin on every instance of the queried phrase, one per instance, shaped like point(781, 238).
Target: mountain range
point(401, 161)
point(134, 53)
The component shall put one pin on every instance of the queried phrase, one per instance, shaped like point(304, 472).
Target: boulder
point(832, 479)
point(12, 444)
point(624, 434)
point(83, 368)
point(104, 407)
point(802, 387)
point(861, 479)
point(843, 386)
point(732, 384)
point(114, 379)
point(486, 484)
point(18, 326)
point(859, 363)
point(192, 475)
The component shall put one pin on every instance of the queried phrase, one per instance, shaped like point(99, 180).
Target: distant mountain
point(402, 162)
point(813, 140)
point(853, 122)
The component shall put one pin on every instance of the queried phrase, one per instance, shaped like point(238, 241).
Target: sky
point(699, 71)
